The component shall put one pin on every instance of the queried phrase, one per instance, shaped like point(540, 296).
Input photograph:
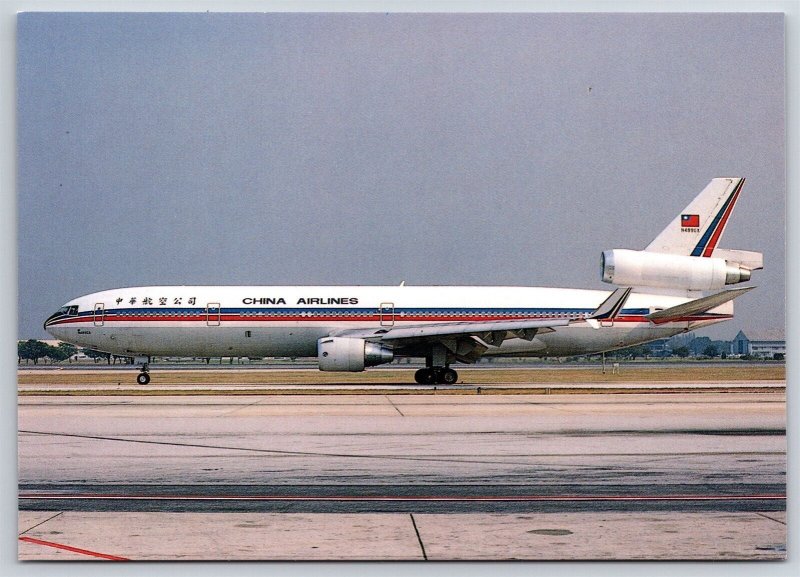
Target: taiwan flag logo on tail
point(690, 221)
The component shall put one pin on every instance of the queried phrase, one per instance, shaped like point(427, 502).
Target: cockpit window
point(73, 310)
point(62, 311)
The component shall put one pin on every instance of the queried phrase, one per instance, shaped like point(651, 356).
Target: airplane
point(349, 328)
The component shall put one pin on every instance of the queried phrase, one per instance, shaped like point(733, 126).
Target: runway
point(433, 457)
point(386, 499)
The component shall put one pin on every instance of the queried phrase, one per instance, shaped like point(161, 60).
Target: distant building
point(696, 346)
point(759, 343)
point(681, 340)
point(660, 348)
point(701, 346)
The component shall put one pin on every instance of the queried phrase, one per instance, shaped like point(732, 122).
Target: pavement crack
point(41, 523)
point(245, 406)
point(286, 453)
point(395, 406)
point(771, 518)
point(419, 539)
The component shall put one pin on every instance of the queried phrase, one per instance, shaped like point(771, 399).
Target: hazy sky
point(373, 148)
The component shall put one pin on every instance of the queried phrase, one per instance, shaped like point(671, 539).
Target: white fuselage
point(259, 321)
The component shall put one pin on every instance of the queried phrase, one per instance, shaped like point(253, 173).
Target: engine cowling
point(653, 269)
point(350, 354)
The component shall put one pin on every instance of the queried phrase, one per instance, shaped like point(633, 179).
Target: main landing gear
point(436, 376)
point(437, 371)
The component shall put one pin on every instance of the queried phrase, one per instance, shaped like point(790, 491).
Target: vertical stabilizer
point(696, 231)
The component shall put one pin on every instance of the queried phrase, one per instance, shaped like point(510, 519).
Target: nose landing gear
point(143, 377)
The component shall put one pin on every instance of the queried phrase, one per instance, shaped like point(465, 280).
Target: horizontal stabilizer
point(696, 306)
point(746, 258)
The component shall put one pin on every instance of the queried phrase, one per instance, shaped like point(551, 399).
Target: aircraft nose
point(50, 319)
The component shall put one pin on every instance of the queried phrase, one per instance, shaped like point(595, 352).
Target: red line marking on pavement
point(46, 496)
point(73, 549)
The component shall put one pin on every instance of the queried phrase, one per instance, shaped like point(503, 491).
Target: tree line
point(33, 350)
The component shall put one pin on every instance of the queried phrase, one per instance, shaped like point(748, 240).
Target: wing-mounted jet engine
point(351, 354)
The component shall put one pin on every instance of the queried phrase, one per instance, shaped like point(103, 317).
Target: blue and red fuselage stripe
point(195, 314)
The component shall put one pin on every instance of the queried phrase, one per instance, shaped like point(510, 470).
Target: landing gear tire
point(436, 376)
point(143, 378)
point(448, 377)
point(424, 376)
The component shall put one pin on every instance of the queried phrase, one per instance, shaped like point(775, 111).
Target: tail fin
point(697, 230)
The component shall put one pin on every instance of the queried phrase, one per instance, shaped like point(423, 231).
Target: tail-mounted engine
point(350, 354)
point(653, 269)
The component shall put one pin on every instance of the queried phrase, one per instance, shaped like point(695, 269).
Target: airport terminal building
point(759, 343)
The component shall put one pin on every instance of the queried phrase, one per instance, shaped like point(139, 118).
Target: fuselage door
point(99, 314)
point(386, 314)
point(212, 314)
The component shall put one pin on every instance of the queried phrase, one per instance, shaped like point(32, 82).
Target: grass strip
point(377, 391)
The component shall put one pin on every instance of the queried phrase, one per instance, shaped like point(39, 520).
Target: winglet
point(610, 307)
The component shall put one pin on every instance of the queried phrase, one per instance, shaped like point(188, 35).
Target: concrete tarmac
point(633, 476)
point(401, 536)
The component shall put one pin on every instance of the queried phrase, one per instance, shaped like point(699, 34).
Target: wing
point(468, 341)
